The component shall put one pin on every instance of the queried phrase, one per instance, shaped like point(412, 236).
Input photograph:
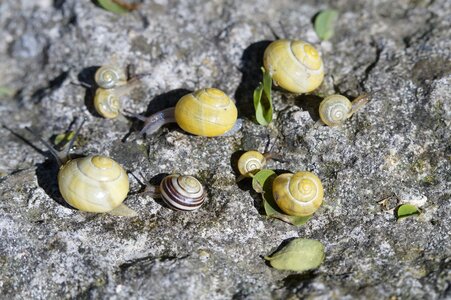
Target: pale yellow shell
point(250, 162)
point(299, 194)
point(110, 76)
point(335, 109)
point(93, 183)
point(206, 112)
point(294, 65)
point(107, 103)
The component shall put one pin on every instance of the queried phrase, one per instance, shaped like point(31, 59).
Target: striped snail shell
point(182, 192)
point(250, 162)
point(110, 76)
point(294, 65)
point(93, 183)
point(299, 194)
point(335, 109)
point(107, 103)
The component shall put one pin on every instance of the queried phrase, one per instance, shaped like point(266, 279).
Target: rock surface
point(396, 148)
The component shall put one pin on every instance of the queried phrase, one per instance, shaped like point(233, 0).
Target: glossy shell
point(109, 76)
point(250, 162)
point(107, 103)
point(206, 112)
point(93, 183)
point(334, 110)
point(182, 192)
point(299, 194)
point(294, 65)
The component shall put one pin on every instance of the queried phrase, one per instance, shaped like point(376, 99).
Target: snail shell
point(110, 76)
point(93, 183)
point(182, 192)
point(206, 112)
point(335, 109)
point(294, 65)
point(299, 194)
point(250, 162)
point(107, 103)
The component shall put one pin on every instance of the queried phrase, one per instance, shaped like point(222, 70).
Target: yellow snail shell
point(299, 194)
point(335, 109)
point(250, 162)
point(107, 103)
point(93, 183)
point(294, 65)
point(110, 76)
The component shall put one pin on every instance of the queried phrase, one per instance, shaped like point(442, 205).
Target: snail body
point(335, 109)
point(250, 162)
point(110, 76)
point(299, 194)
point(182, 192)
point(294, 65)
point(93, 183)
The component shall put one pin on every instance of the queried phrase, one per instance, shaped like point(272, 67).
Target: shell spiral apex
point(335, 109)
point(107, 103)
point(250, 162)
point(110, 76)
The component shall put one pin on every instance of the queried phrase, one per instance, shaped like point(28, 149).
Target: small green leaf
point(112, 6)
point(325, 22)
point(406, 210)
point(63, 138)
point(298, 255)
point(262, 180)
point(6, 91)
point(262, 100)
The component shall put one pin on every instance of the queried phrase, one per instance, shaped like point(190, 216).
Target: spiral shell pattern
point(107, 103)
point(206, 112)
point(335, 109)
point(109, 76)
point(294, 65)
point(182, 192)
point(93, 183)
point(250, 162)
point(299, 194)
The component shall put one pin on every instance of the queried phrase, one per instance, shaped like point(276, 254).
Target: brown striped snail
point(180, 192)
point(299, 194)
point(294, 65)
point(335, 109)
point(93, 183)
point(205, 112)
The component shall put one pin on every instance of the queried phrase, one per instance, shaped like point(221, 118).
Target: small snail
point(294, 65)
point(107, 102)
point(181, 192)
point(110, 76)
point(93, 183)
point(335, 109)
point(205, 112)
point(299, 194)
point(250, 162)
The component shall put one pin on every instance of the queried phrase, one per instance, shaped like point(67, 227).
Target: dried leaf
point(325, 22)
point(298, 255)
point(262, 100)
point(406, 210)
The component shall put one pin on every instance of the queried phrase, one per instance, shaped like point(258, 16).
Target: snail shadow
point(310, 103)
point(86, 78)
point(251, 63)
point(158, 103)
point(155, 182)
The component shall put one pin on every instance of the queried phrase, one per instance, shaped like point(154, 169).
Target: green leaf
point(63, 138)
point(5, 91)
point(325, 22)
point(262, 100)
point(262, 180)
point(406, 210)
point(112, 6)
point(298, 255)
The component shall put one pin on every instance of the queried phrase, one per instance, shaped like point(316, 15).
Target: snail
point(335, 109)
point(205, 112)
point(110, 76)
point(299, 194)
point(294, 65)
point(251, 162)
point(180, 192)
point(94, 183)
point(107, 102)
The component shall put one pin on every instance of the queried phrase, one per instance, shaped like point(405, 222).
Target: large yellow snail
point(335, 109)
point(294, 65)
point(299, 194)
point(93, 183)
point(205, 112)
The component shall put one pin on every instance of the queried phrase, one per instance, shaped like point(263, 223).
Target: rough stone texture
point(397, 148)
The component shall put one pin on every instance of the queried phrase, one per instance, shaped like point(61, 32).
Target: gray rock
point(395, 149)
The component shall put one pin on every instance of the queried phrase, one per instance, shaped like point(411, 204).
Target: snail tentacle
point(158, 119)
